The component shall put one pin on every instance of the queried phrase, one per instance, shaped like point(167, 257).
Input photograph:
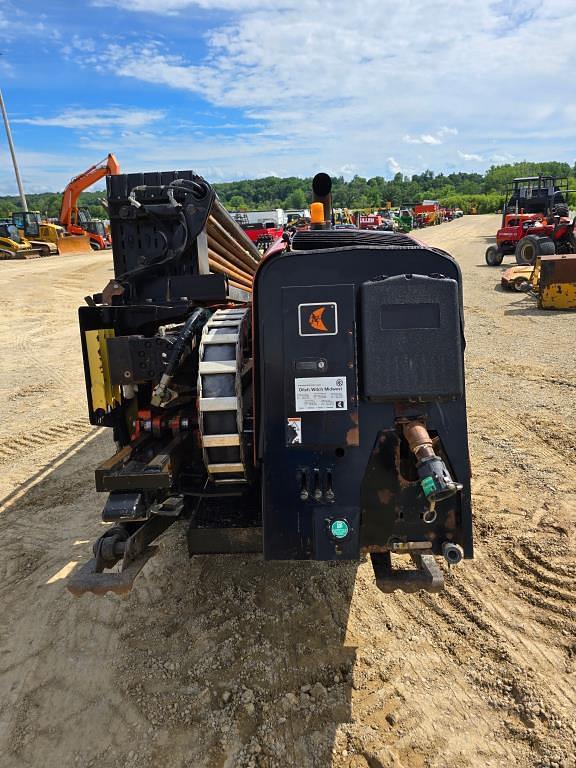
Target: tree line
point(48, 203)
point(484, 191)
point(453, 190)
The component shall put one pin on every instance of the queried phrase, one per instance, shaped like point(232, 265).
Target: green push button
point(339, 529)
point(428, 485)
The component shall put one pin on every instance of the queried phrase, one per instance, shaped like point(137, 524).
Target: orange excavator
point(77, 221)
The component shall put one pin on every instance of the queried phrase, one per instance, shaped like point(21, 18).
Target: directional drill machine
point(307, 405)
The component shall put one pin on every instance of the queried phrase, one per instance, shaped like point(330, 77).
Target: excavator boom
point(107, 167)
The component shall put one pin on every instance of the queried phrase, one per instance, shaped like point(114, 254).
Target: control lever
point(303, 485)
point(317, 486)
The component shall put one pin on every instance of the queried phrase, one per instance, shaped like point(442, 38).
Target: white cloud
point(115, 117)
point(446, 131)
point(385, 94)
point(430, 138)
point(469, 157)
point(348, 171)
point(427, 138)
point(502, 158)
point(444, 63)
point(44, 171)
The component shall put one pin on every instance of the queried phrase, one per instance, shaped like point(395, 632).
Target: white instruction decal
point(321, 393)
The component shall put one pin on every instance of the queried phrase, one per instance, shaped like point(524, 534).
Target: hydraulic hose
point(162, 394)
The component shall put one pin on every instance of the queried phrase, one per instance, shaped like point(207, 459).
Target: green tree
point(237, 203)
point(296, 199)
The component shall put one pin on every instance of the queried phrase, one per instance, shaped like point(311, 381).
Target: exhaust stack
point(321, 196)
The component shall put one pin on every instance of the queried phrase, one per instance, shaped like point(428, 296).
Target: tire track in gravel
point(452, 653)
point(524, 641)
point(482, 648)
point(39, 439)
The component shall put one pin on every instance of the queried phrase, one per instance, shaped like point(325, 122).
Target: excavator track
point(31, 253)
point(45, 248)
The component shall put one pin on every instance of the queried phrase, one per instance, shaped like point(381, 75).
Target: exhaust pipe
point(321, 207)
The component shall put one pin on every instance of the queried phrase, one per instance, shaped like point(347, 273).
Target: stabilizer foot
point(89, 579)
point(129, 543)
point(427, 575)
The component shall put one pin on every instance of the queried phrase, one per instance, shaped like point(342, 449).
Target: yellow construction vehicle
point(31, 226)
point(13, 246)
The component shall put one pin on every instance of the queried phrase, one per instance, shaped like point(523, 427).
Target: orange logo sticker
point(315, 320)
point(318, 319)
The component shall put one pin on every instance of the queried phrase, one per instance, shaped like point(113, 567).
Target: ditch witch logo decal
point(318, 319)
point(315, 320)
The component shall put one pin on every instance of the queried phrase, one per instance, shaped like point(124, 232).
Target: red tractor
point(535, 221)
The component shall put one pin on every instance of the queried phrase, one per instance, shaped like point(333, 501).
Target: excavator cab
point(99, 238)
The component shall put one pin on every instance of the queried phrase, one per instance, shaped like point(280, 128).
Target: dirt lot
point(230, 662)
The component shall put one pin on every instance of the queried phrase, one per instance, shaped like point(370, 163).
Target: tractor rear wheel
point(493, 256)
point(561, 209)
point(532, 246)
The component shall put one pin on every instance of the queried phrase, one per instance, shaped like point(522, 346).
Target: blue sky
point(247, 88)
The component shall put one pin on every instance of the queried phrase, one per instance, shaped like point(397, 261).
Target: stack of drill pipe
point(230, 250)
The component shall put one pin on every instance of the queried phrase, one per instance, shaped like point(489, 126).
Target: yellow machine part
point(557, 282)
point(50, 233)
point(10, 249)
point(74, 244)
point(535, 276)
point(104, 394)
point(46, 247)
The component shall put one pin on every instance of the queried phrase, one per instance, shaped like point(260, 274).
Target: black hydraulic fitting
point(435, 479)
point(452, 553)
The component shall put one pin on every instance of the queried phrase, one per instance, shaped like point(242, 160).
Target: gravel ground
point(229, 662)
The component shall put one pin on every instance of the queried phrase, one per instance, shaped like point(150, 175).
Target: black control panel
point(320, 382)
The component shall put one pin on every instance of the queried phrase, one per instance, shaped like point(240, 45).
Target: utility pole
point(13, 153)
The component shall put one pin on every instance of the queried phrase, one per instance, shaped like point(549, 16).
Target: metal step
point(232, 323)
point(225, 468)
point(217, 366)
point(222, 338)
point(240, 312)
point(220, 441)
point(207, 404)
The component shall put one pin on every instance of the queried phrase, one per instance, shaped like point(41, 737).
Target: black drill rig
point(308, 405)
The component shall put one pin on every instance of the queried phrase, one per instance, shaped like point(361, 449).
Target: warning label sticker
point(321, 393)
point(294, 430)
